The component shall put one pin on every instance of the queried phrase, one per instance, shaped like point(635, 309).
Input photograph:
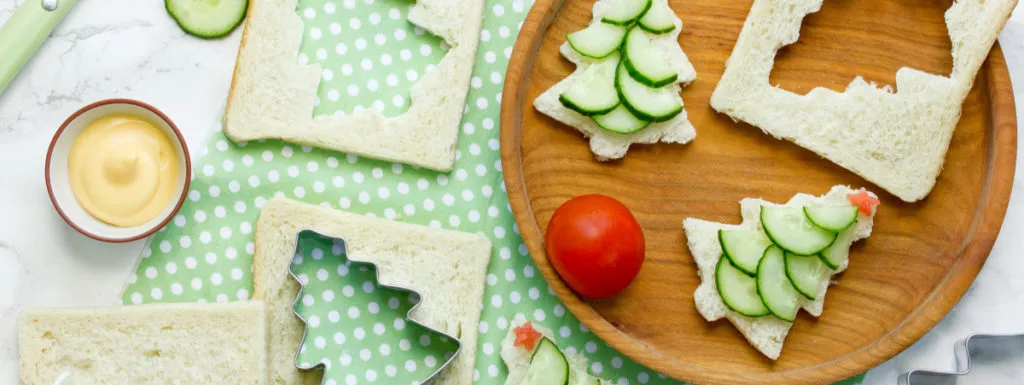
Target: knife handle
point(24, 32)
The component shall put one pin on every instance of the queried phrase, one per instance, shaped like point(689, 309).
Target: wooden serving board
point(901, 281)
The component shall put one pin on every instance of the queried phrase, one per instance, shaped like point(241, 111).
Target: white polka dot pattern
point(369, 52)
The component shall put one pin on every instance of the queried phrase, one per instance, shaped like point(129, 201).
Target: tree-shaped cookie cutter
point(978, 350)
point(408, 315)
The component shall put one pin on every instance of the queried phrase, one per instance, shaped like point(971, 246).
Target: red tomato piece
point(526, 336)
point(864, 201)
point(595, 244)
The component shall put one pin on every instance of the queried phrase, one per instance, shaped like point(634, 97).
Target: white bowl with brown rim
point(58, 183)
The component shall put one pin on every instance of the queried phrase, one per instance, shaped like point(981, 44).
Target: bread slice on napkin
point(895, 139)
point(156, 344)
point(273, 96)
point(447, 268)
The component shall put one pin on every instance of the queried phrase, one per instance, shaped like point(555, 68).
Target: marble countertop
point(137, 52)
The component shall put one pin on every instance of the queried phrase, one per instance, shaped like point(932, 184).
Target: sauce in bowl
point(123, 170)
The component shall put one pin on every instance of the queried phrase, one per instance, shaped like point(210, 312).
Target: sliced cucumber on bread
point(791, 230)
point(806, 273)
point(738, 290)
point(625, 12)
point(837, 255)
point(658, 19)
point(832, 218)
point(593, 92)
point(776, 291)
point(646, 103)
point(597, 41)
point(620, 121)
point(644, 62)
point(208, 19)
point(548, 366)
point(743, 248)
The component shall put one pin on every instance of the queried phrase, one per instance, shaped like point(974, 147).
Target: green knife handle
point(24, 32)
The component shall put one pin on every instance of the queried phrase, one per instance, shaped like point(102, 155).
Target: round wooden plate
point(901, 282)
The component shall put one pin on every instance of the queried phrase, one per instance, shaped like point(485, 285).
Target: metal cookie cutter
point(408, 315)
point(980, 359)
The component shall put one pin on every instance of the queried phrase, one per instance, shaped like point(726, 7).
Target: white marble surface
point(130, 48)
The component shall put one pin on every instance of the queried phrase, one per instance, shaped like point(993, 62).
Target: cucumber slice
point(658, 19)
point(598, 40)
point(579, 376)
point(832, 218)
point(620, 121)
point(593, 93)
point(625, 12)
point(548, 366)
point(806, 274)
point(744, 248)
point(774, 288)
point(208, 19)
point(790, 229)
point(644, 63)
point(837, 256)
point(738, 290)
point(646, 103)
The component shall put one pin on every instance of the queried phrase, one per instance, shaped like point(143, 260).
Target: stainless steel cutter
point(408, 316)
point(981, 359)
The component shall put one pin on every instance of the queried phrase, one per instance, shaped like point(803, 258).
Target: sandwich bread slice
point(896, 139)
point(447, 268)
point(273, 95)
point(157, 344)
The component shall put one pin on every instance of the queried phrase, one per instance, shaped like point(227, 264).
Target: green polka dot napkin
point(371, 56)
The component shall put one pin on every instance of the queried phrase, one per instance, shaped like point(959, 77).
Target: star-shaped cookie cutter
point(408, 315)
point(971, 352)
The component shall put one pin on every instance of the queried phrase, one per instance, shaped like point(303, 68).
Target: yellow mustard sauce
point(123, 170)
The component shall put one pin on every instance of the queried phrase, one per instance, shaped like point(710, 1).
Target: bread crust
point(273, 97)
point(447, 268)
point(895, 139)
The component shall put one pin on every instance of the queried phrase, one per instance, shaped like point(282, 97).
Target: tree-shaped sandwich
point(629, 72)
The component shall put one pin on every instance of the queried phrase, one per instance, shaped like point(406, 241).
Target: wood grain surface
point(901, 281)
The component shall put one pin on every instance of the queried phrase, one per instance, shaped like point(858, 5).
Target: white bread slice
point(768, 333)
point(447, 268)
point(272, 95)
point(157, 344)
point(897, 140)
point(518, 359)
point(607, 145)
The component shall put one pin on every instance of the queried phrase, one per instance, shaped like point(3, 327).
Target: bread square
point(447, 268)
point(894, 139)
point(156, 344)
point(273, 96)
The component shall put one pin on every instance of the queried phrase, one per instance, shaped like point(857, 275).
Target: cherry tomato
point(595, 244)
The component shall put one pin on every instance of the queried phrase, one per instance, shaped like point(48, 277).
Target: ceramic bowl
point(59, 185)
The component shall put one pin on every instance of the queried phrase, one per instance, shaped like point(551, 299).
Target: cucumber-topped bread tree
point(629, 72)
point(782, 258)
